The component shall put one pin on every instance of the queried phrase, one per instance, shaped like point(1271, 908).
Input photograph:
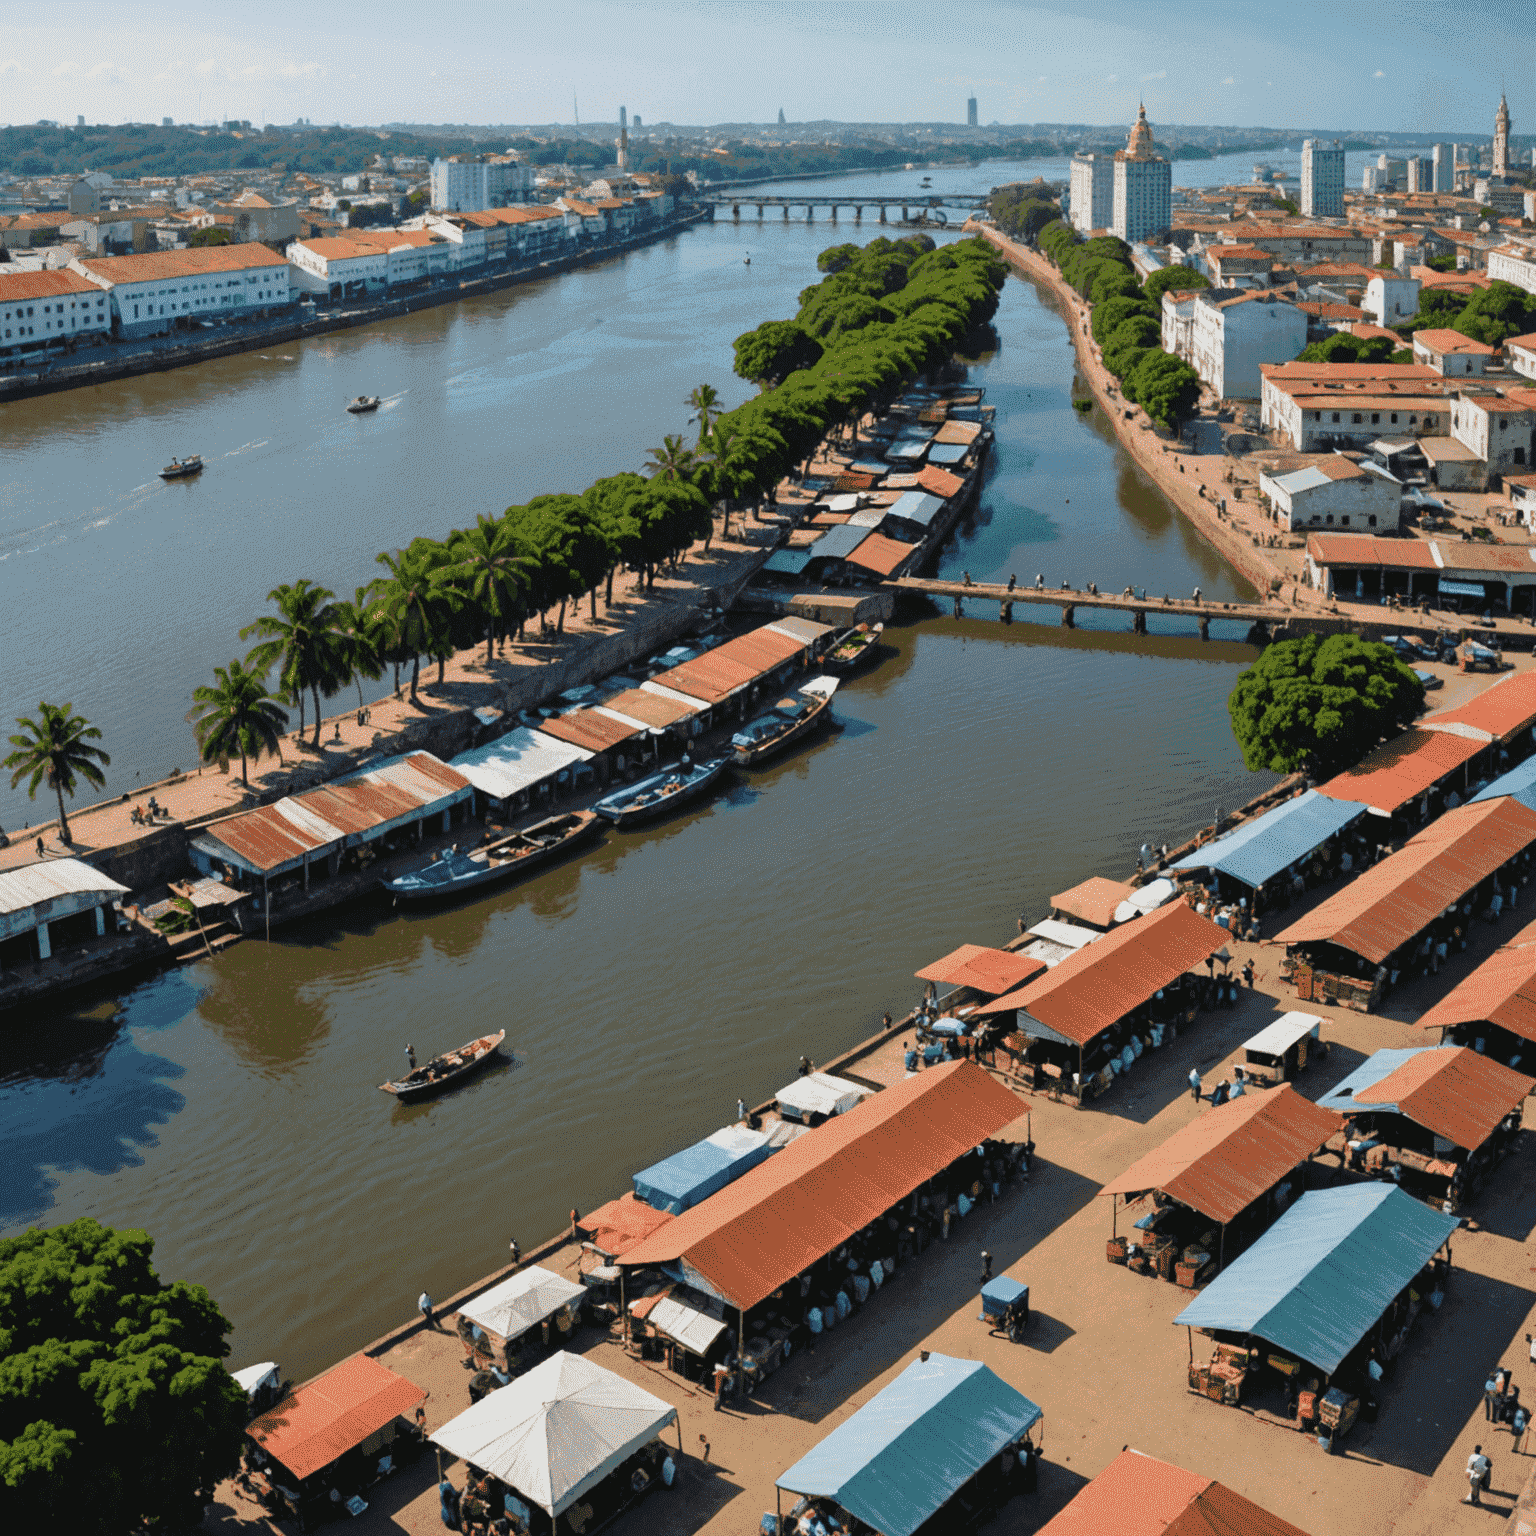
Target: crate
point(1187, 1274)
point(1199, 1378)
point(1114, 1250)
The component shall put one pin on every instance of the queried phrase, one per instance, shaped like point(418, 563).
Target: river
point(230, 1107)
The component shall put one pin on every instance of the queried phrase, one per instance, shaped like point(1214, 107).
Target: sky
point(1419, 66)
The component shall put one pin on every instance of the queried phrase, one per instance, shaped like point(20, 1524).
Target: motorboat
point(854, 647)
point(179, 469)
point(363, 404)
point(792, 719)
point(455, 871)
point(661, 793)
point(444, 1071)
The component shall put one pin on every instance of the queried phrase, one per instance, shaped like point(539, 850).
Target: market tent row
point(757, 1234)
point(1259, 850)
point(906, 1453)
point(55, 900)
point(1391, 904)
point(1505, 712)
point(1493, 1009)
point(510, 769)
point(354, 1404)
point(818, 1096)
point(1137, 1495)
point(1407, 768)
point(678, 1182)
point(742, 665)
point(555, 1433)
point(299, 831)
point(1232, 1155)
point(1094, 989)
point(1321, 1278)
point(1093, 902)
point(523, 1301)
point(688, 1318)
point(1456, 1096)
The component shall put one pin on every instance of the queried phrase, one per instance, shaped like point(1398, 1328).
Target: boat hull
point(181, 471)
point(625, 813)
point(411, 1090)
point(493, 874)
point(861, 658)
point(753, 757)
point(362, 407)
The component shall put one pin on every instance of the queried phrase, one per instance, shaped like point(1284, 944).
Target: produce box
point(1114, 1250)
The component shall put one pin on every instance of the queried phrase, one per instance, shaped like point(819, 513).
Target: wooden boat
point(179, 469)
point(792, 719)
point(450, 874)
point(661, 793)
point(854, 647)
point(446, 1070)
point(363, 403)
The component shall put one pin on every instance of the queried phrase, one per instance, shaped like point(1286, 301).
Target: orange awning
point(984, 970)
point(1502, 991)
point(757, 1234)
point(615, 1228)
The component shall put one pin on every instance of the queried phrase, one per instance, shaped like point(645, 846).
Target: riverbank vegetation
point(1320, 705)
point(56, 748)
point(884, 315)
point(1126, 322)
point(116, 1411)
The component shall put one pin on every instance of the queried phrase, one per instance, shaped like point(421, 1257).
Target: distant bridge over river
point(920, 208)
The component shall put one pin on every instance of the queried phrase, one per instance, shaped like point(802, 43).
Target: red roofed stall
point(1504, 709)
point(1238, 1165)
point(1406, 768)
point(333, 1432)
point(1111, 997)
point(764, 1245)
point(615, 1228)
point(1494, 1009)
point(975, 969)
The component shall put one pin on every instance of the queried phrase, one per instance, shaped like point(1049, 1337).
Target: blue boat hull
point(627, 808)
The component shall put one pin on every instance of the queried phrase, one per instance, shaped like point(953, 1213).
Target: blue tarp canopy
point(948, 453)
point(907, 1452)
point(678, 1182)
point(916, 507)
point(1260, 849)
point(1462, 588)
point(1316, 1283)
point(790, 562)
point(907, 448)
point(1376, 1066)
point(1519, 783)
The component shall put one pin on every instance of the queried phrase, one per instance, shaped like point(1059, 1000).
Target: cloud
point(11, 67)
point(105, 71)
point(68, 67)
point(1380, 74)
point(1230, 80)
point(1162, 74)
point(207, 67)
point(307, 70)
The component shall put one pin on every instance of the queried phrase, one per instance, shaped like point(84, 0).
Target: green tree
point(486, 568)
point(1495, 312)
point(116, 1411)
point(1112, 314)
point(1321, 704)
point(1164, 386)
point(674, 460)
point(836, 257)
point(773, 351)
point(1343, 347)
point(413, 609)
point(237, 714)
point(305, 641)
point(705, 404)
point(1173, 280)
point(56, 747)
point(211, 234)
point(359, 622)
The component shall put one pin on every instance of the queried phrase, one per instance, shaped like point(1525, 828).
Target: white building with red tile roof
point(39, 310)
point(151, 294)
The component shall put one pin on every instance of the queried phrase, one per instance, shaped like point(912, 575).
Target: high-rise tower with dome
point(1143, 204)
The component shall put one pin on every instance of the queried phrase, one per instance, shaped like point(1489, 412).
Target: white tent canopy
point(819, 1093)
point(1146, 898)
point(557, 1432)
point(517, 761)
point(523, 1301)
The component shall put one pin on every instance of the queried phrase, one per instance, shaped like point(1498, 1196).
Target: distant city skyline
point(1313, 65)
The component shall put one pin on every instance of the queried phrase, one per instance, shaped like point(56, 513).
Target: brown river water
point(231, 1107)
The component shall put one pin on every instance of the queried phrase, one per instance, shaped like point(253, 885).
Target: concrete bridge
point(1070, 599)
point(923, 207)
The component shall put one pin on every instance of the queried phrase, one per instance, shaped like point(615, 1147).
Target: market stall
point(1216, 1184)
point(819, 1096)
point(511, 1324)
point(568, 1439)
point(325, 1444)
point(1436, 1119)
point(946, 1435)
point(1283, 1047)
point(1494, 1009)
point(1331, 1290)
point(681, 1181)
point(684, 1327)
point(974, 973)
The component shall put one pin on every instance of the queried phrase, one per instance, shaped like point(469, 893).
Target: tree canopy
point(1342, 347)
point(116, 1411)
point(1497, 311)
point(1321, 704)
point(1023, 209)
point(1173, 280)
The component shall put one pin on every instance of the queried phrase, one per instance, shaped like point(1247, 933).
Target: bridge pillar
point(959, 607)
point(810, 214)
point(858, 213)
point(1205, 627)
point(786, 213)
point(834, 213)
point(903, 213)
point(735, 210)
point(1069, 616)
point(882, 213)
point(1005, 613)
point(759, 212)
point(1139, 622)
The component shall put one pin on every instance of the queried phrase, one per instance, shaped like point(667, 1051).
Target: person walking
point(1194, 1083)
point(410, 1056)
point(1248, 974)
point(805, 1066)
point(424, 1306)
point(1479, 1471)
point(986, 1266)
point(516, 1252)
point(741, 1108)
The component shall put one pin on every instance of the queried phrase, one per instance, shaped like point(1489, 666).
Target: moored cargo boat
point(661, 793)
point(454, 872)
point(792, 719)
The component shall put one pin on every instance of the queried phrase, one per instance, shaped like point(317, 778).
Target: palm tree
point(674, 460)
point(305, 641)
point(410, 604)
point(237, 715)
point(705, 401)
point(359, 622)
point(55, 747)
point(487, 571)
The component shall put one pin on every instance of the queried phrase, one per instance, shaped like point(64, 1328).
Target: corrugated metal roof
point(914, 1445)
point(682, 1313)
point(806, 631)
point(517, 761)
point(1137, 1495)
point(590, 728)
point(323, 1421)
point(939, 482)
point(1402, 769)
point(36, 885)
point(788, 562)
point(1500, 711)
point(737, 664)
point(1315, 1284)
point(986, 970)
point(1093, 900)
point(881, 555)
point(1449, 1090)
point(1398, 898)
point(947, 453)
point(615, 1228)
point(1220, 1163)
point(761, 1231)
point(649, 709)
point(916, 507)
point(1502, 991)
point(1259, 849)
point(1103, 982)
point(1357, 549)
point(838, 543)
point(687, 1178)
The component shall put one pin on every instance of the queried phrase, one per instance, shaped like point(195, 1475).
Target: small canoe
point(661, 793)
point(363, 403)
point(444, 1071)
point(454, 873)
point(854, 647)
point(790, 720)
point(179, 469)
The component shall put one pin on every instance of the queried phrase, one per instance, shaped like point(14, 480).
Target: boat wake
point(247, 447)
